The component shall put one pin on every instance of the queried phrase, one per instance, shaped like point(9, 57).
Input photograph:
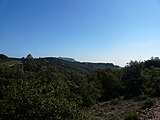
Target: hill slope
point(61, 63)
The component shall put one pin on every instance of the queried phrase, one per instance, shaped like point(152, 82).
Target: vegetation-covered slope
point(51, 88)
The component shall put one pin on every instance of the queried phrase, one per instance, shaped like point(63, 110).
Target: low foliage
point(149, 102)
point(132, 116)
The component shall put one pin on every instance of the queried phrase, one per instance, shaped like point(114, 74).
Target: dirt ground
point(152, 113)
point(118, 111)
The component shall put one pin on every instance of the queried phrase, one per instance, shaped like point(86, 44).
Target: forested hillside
point(55, 89)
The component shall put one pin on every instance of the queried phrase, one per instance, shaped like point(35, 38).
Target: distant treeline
point(55, 89)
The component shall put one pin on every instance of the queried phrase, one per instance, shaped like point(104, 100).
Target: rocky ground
point(119, 109)
point(152, 113)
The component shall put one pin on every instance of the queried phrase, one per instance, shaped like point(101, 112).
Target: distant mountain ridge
point(67, 59)
point(69, 64)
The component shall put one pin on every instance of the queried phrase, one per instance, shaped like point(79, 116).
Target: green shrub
point(150, 91)
point(115, 101)
point(148, 103)
point(141, 97)
point(132, 116)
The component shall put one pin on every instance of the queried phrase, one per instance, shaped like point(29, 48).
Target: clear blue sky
point(88, 30)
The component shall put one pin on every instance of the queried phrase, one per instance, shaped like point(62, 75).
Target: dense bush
point(149, 102)
point(109, 81)
point(132, 116)
point(32, 96)
point(142, 78)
